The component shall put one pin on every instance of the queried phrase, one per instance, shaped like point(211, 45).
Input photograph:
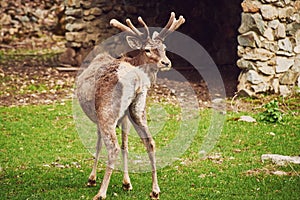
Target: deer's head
point(152, 49)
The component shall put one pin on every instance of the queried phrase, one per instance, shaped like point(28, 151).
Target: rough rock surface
point(269, 46)
point(21, 19)
point(280, 159)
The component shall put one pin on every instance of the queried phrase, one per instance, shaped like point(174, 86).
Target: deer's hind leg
point(110, 140)
point(92, 178)
point(138, 117)
point(124, 148)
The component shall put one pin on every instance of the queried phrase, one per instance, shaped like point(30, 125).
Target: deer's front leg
point(138, 117)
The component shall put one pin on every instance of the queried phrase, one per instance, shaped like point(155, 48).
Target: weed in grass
point(272, 113)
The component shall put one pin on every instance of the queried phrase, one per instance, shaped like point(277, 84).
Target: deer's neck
point(142, 62)
point(137, 60)
point(151, 71)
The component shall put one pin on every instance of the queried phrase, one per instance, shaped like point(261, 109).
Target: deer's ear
point(134, 42)
point(154, 35)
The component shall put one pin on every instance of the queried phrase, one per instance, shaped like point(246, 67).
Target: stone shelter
point(255, 43)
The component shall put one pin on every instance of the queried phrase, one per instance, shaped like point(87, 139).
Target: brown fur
point(113, 91)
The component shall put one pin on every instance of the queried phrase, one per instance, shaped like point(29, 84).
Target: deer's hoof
point(91, 183)
point(154, 196)
point(127, 186)
point(98, 198)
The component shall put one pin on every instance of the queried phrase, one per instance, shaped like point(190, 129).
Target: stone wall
point(23, 19)
point(87, 24)
point(213, 24)
point(269, 47)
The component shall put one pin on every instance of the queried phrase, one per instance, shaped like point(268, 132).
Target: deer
point(118, 97)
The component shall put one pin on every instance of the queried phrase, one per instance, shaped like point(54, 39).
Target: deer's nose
point(167, 64)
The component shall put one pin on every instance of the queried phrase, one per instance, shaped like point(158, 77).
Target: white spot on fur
point(134, 81)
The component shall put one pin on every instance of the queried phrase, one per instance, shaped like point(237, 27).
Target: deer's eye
point(147, 50)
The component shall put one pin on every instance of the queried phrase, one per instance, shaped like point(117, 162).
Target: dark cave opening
point(214, 25)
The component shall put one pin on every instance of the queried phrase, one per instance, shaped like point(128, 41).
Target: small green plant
point(272, 113)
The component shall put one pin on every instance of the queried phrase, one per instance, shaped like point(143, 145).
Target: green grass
point(38, 141)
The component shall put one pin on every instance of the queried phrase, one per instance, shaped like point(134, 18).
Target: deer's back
point(108, 86)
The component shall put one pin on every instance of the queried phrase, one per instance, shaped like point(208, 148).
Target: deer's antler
point(171, 26)
point(130, 28)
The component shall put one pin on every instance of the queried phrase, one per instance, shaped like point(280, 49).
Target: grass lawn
point(42, 157)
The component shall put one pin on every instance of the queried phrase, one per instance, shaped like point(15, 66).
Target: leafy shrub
point(272, 113)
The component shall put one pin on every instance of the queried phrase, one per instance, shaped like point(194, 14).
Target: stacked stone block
point(84, 19)
point(87, 24)
point(25, 19)
point(269, 47)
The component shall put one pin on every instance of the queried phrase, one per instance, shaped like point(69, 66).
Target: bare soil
point(23, 85)
point(30, 82)
point(33, 77)
point(29, 74)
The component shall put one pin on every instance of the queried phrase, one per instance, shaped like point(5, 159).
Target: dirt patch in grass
point(30, 81)
point(27, 83)
point(23, 85)
point(266, 171)
point(31, 76)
